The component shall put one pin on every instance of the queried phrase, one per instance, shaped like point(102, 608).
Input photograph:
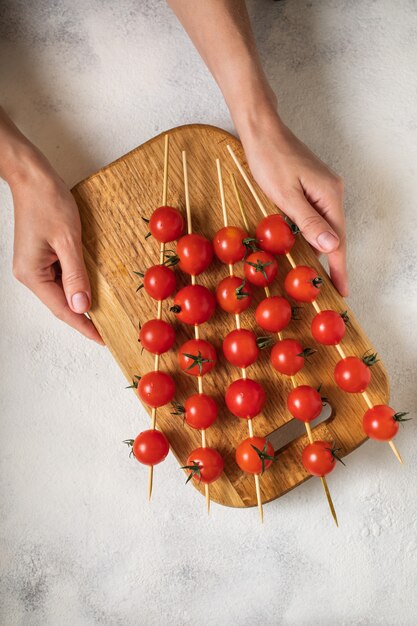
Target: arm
point(287, 171)
point(47, 230)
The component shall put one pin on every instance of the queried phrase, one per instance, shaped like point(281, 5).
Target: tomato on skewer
point(157, 336)
point(255, 455)
point(319, 458)
point(234, 294)
point(159, 282)
point(245, 398)
point(230, 244)
point(274, 235)
point(194, 304)
point(260, 268)
point(193, 255)
point(204, 465)
point(304, 403)
point(150, 447)
point(302, 283)
point(382, 423)
point(273, 314)
point(353, 374)
point(328, 327)
point(197, 357)
point(155, 388)
point(166, 224)
point(241, 347)
point(288, 356)
point(199, 411)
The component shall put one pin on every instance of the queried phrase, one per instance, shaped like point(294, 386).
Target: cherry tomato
point(255, 455)
point(302, 283)
point(200, 411)
point(274, 235)
point(273, 314)
point(195, 253)
point(234, 294)
point(382, 423)
point(204, 465)
point(150, 447)
point(288, 356)
point(156, 389)
point(328, 328)
point(159, 282)
point(197, 357)
point(319, 458)
point(166, 224)
point(353, 374)
point(240, 347)
point(304, 403)
point(260, 268)
point(157, 336)
point(245, 398)
point(194, 304)
point(228, 244)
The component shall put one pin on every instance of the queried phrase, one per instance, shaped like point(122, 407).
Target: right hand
point(48, 257)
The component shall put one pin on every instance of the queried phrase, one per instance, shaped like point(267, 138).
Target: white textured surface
point(88, 81)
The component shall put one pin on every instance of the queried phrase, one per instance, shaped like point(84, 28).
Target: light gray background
point(88, 81)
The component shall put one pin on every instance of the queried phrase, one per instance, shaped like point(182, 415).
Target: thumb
point(312, 225)
point(74, 276)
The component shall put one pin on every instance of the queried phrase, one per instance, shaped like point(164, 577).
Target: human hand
point(302, 186)
point(48, 257)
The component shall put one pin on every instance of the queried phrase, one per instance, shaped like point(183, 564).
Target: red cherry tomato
point(194, 304)
point(274, 235)
point(157, 336)
point(204, 465)
point(200, 411)
point(382, 423)
point(255, 461)
point(197, 357)
point(260, 268)
point(273, 314)
point(228, 244)
point(318, 458)
point(159, 282)
point(302, 283)
point(166, 224)
point(234, 294)
point(353, 374)
point(245, 398)
point(304, 403)
point(288, 356)
point(328, 328)
point(150, 447)
point(195, 254)
point(240, 347)
point(156, 389)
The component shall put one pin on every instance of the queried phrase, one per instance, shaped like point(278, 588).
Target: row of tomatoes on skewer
point(245, 398)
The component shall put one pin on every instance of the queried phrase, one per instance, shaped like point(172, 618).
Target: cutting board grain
point(112, 203)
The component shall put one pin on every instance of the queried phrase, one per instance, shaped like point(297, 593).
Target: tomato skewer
point(238, 327)
point(268, 294)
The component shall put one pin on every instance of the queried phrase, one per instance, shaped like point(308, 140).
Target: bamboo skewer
point(159, 310)
point(193, 282)
point(280, 336)
point(293, 264)
point(237, 319)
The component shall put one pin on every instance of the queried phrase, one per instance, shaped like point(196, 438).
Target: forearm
point(222, 34)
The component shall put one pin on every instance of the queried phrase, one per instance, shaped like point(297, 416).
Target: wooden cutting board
point(112, 203)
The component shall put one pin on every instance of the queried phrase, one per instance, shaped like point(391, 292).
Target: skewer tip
point(395, 451)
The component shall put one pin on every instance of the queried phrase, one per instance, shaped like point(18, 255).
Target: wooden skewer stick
point(293, 264)
point(193, 282)
point(159, 311)
point(293, 381)
point(237, 316)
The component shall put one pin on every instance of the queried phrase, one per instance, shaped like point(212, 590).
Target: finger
point(338, 270)
point(75, 280)
point(312, 225)
point(51, 294)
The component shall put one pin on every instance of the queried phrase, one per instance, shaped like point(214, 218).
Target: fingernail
point(327, 241)
point(80, 302)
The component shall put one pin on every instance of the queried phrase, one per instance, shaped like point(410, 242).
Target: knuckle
point(75, 277)
point(20, 272)
point(309, 223)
